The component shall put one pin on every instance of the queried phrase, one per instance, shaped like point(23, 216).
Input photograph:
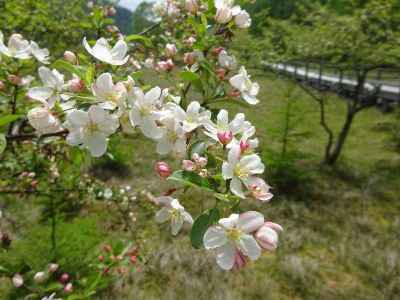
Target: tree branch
point(24, 137)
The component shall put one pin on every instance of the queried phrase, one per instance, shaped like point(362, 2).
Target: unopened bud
point(68, 288)
point(17, 280)
point(53, 268)
point(189, 58)
point(64, 278)
point(225, 137)
point(39, 277)
point(221, 73)
point(170, 50)
point(70, 57)
point(163, 169)
point(2, 85)
point(188, 165)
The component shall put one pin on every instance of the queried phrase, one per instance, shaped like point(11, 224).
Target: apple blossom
point(188, 165)
point(199, 160)
point(17, 46)
point(70, 57)
point(41, 55)
point(53, 268)
point(259, 189)
point(91, 129)
point(173, 138)
point(17, 280)
point(224, 11)
point(64, 278)
point(43, 121)
point(110, 95)
point(226, 61)
point(194, 117)
point(247, 88)
point(242, 19)
point(174, 212)
point(267, 235)
point(51, 297)
point(50, 93)
point(68, 288)
point(234, 234)
point(165, 65)
point(240, 169)
point(170, 50)
point(189, 58)
point(149, 63)
point(103, 51)
point(224, 131)
point(145, 111)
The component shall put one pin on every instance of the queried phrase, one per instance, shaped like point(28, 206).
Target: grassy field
point(342, 225)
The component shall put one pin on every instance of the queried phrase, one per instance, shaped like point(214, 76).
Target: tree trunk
point(332, 156)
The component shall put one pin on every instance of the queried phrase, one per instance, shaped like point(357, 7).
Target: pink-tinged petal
point(267, 238)
point(214, 237)
point(274, 226)
point(248, 245)
point(78, 118)
point(234, 155)
point(226, 256)
point(40, 94)
point(250, 221)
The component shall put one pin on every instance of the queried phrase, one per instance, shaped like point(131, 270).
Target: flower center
point(241, 172)
point(92, 127)
point(234, 234)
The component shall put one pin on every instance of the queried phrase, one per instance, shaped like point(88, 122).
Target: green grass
point(341, 241)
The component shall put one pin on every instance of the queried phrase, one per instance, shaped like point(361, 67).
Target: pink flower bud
point(190, 41)
point(199, 160)
point(225, 137)
point(17, 280)
point(70, 57)
point(188, 165)
point(76, 85)
point(64, 278)
point(163, 169)
point(14, 79)
point(244, 146)
point(165, 65)
point(189, 58)
point(170, 50)
point(267, 235)
point(68, 288)
point(111, 11)
point(2, 85)
point(39, 277)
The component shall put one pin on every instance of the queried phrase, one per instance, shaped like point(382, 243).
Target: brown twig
point(23, 137)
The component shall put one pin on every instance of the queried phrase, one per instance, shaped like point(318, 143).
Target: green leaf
point(66, 66)
point(140, 38)
point(89, 75)
point(8, 119)
point(201, 225)
point(190, 179)
point(189, 76)
point(3, 145)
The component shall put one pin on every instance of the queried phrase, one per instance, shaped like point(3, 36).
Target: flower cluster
point(100, 94)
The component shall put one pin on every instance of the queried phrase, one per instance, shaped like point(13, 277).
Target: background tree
point(361, 42)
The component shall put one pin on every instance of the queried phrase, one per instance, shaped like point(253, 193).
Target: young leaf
point(191, 179)
point(3, 143)
point(201, 225)
point(8, 119)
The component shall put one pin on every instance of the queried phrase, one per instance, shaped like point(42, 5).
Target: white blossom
point(174, 212)
point(41, 55)
point(17, 46)
point(248, 89)
point(240, 169)
point(91, 129)
point(103, 51)
point(226, 61)
point(234, 234)
point(110, 95)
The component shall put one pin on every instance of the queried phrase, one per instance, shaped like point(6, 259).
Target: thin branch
point(23, 137)
point(150, 28)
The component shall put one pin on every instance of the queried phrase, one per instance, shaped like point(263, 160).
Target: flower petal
point(250, 221)
point(236, 187)
point(214, 237)
point(226, 256)
point(249, 246)
point(162, 215)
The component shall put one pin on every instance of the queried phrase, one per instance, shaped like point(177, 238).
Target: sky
point(130, 4)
